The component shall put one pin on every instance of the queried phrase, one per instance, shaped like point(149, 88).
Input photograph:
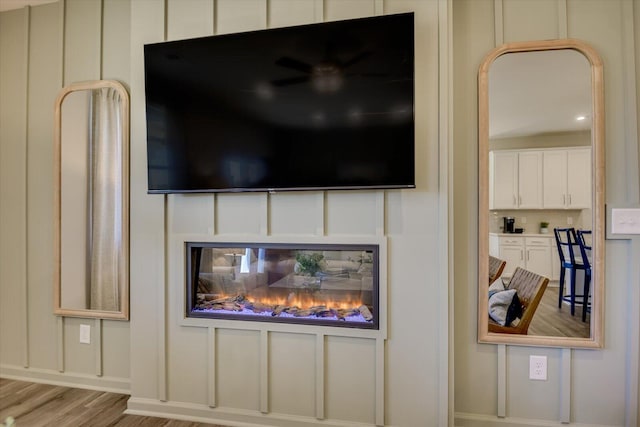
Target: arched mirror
point(91, 201)
point(541, 195)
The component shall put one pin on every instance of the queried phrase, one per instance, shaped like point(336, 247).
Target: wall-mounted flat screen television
point(311, 107)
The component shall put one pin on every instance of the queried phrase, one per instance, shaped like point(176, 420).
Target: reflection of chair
point(585, 253)
point(496, 266)
point(573, 256)
point(529, 287)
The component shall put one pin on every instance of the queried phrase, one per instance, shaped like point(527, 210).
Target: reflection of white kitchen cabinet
point(533, 253)
point(538, 255)
point(503, 179)
point(567, 178)
point(555, 261)
point(511, 250)
point(515, 179)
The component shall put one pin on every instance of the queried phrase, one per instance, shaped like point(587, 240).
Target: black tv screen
point(319, 106)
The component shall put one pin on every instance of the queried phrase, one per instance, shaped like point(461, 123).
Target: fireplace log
point(259, 307)
point(278, 310)
point(366, 313)
point(303, 313)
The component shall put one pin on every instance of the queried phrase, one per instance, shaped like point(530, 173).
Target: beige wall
point(42, 49)
point(329, 375)
point(167, 366)
point(271, 376)
point(601, 387)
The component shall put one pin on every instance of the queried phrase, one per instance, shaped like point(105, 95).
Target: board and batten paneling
point(272, 374)
point(14, 39)
point(492, 381)
point(52, 44)
point(44, 81)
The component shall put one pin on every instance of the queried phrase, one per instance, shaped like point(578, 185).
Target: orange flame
point(307, 301)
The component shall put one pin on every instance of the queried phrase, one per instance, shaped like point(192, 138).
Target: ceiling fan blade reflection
point(359, 57)
point(294, 64)
point(290, 81)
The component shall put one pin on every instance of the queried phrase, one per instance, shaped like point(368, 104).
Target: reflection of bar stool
point(567, 241)
point(585, 254)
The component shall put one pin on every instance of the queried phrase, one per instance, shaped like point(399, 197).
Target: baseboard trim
point(66, 379)
point(228, 416)
point(463, 419)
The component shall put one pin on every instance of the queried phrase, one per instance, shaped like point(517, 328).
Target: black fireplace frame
point(192, 251)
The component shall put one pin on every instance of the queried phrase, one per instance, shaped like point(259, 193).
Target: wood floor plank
point(549, 320)
point(43, 405)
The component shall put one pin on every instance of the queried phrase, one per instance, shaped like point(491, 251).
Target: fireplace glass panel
point(334, 285)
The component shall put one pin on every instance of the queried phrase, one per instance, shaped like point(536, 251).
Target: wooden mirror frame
point(598, 192)
point(123, 233)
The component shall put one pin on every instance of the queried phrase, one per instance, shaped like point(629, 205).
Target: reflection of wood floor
point(551, 321)
point(35, 405)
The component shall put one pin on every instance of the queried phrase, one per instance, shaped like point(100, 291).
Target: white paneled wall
point(42, 49)
point(277, 374)
point(585, 387)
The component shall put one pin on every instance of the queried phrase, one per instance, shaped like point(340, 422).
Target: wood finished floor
point(40, 405)
point(548, 320)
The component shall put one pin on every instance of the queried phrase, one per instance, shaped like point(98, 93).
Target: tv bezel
point(273, 190)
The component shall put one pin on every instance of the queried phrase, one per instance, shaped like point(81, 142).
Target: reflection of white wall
point(74, 200)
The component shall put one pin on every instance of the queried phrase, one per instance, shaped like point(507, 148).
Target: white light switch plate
point(625, 221)
point(85, 334)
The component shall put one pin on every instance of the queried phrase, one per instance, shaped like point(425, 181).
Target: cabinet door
point(554, 179)
point(503, 179)
point(530, 180)
point(514, 256)
point(579, 179)
point(555, 262)
point(538, 260)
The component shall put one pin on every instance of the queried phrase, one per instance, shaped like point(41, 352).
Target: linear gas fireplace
point(317, 284)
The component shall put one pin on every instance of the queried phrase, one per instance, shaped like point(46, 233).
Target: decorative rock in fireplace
point(318, 284)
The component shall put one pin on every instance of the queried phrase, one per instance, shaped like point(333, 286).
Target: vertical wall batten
point(380, 212)
point(632, 417)
point(321, 209)
point(97, 343)
point(61, 14)
point(632, 149)
point(101, 41)
point(264, 371)
point(562, 19)
point(211, 367)
point(263, 218)
point(60, 352)
point(565, 385)
point(380, 394)
point(320, 375)
point(162, 299)
point(498, 22)
point(445, 191)
point(319, 12)
point(631, 104)
point(25, 288)
point(502, 380)
point(378, 7)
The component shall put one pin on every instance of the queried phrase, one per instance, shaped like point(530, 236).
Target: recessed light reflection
point(581, 118)
point(355, 115)
point(264, 91)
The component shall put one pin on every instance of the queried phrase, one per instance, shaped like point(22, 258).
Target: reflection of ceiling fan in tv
point(325, 76)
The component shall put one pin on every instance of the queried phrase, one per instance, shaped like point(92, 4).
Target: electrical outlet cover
point(85, 334)
point(538, 368)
